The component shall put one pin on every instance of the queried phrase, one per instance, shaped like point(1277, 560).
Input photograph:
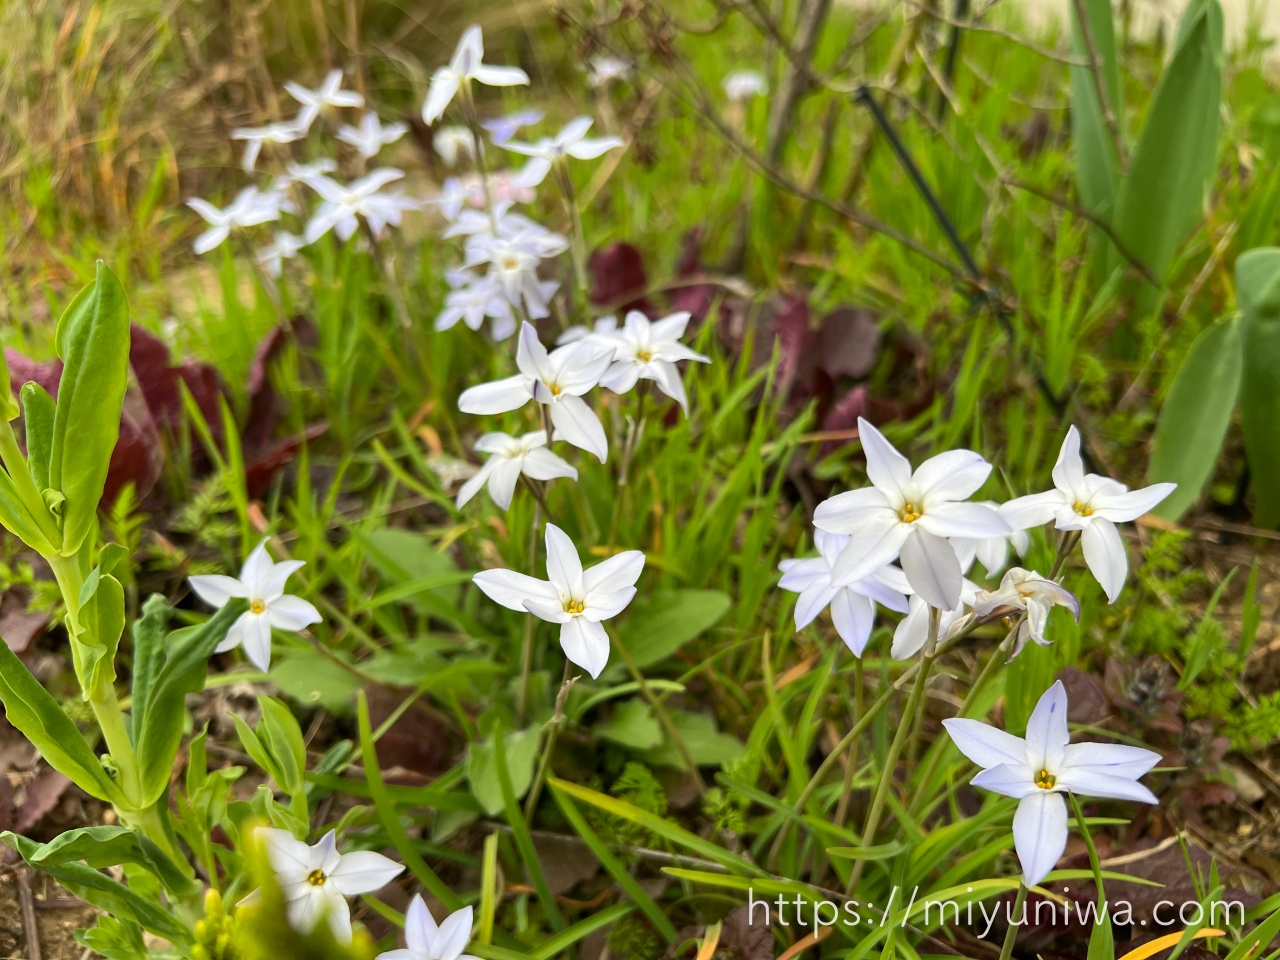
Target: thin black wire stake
point(953, 51)
point(983, 294)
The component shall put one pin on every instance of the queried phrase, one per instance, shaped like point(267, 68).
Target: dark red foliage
point(159, 382)
point(618, 278)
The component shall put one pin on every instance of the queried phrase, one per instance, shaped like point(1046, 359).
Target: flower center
point(911, 513)
point(510, 263)
point(316, 878)
point(574, 606)
point(554, 388)
point(644, 356)
point(1083, 509)
point(1045, 780)
point(257, 606)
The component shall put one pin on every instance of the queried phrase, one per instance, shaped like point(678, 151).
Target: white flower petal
point(1110, 758)
point(932, 569)
point(953, 519)
point(616, 573)
point(812, 602)
point(886, 467)
point(1124, 507)
point(954, 475)
point(541, 464)
point(1087, 783)
point(847, 511)
point(564, 566)
point(874, 544)
point(1047, 734)
point(586, 644)
point(1034, 510)
point(216, 589)
point(455, 934)
point(419, 926)
point(986, 745)
point(291, 613)
point(499, 396)
point(603, 606)
point(502, 481)
point(511, 589)
point(853, 617)
point(257, 641)
point(1068, 472)
point(577, 424)
point(1040, 834)
point(492, 76)
point(1105, 556)
point(363, 872)
point(1015, 780)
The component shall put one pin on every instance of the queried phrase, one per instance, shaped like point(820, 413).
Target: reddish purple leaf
point(618, 277)
point(159, 381)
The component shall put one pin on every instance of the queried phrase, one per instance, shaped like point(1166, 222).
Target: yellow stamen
point(555, 390)
point(1045, 780)
point(316, 878)
point(1082, 510)
point(911, 513)
point(574, 606)
point(644, 356)
point(257, 606)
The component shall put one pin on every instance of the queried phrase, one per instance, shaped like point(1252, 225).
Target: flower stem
point(1094, 863)
point(578, 242)
point(553, 731)
point(526, 647)
point(905, 724)
point(842, 807)
point(1010, 935)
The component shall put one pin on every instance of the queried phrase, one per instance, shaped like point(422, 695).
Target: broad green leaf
point(660, 624)
point(1097, 166)
point(1258, 292)
point(182, 671)
point(521, 754)
point(631, 724)
point(307, 677)
point(408, 560)
point(8, 403)
point(33, 711)
point(282, 737)
point(101, 626)
point(93, 342)
point(110, 895)
point(707, 746)
point(1162, 195)
point(110, 846)
point(149, 632)
point(1195, 416)
point(38, 413)
point(17, 519)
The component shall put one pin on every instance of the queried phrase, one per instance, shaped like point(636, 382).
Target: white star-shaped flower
point(909, 514)
point(316, 881)
point(284, 246)
point(255, 137)
point(467, 65)
point(372, 135)
point(1025, 592)
point(328, 94)
point(426, 941)
point(261, 582)
point(852, 604)
point(343, 205)
point(1037, 771)
point(472, 299)
point(452, 143)
point(502, 129)
point(576, 599)
point(509, 458)
point(249, 208)
point(605, 69)
point(649, 351)
point(743, 84)
point(571, 141)
point(1093, 505)
point(557, 379)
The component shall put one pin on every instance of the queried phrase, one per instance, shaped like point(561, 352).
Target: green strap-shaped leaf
point(1097, 166)
point(97, 888)
point(1258, 292)
point(186, 662)
point(110, 846)
point(17, 519)
point(93, 342)
point(101, 626)
point(1195, 416)
point(149, 632)
point(1162, 196)
point(34, 712)
point(37, 421)
point(8, 403)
